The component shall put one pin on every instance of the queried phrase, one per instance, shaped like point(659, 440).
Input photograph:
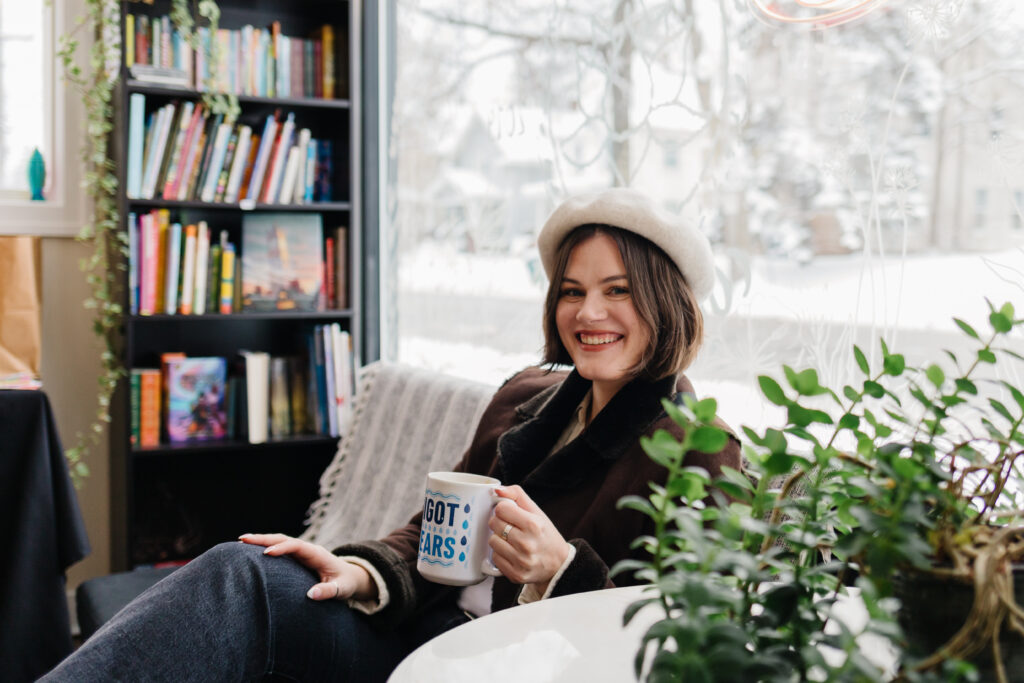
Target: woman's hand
point(338, 578)
point(532, 550)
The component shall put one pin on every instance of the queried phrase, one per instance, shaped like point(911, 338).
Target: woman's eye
point(619, 291)
point(569, 291)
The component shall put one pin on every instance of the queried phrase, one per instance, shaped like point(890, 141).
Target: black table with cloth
point(43, 534)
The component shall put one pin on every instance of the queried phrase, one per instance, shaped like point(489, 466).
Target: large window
point(38, 111)
point(25, 117)
point(859, 180)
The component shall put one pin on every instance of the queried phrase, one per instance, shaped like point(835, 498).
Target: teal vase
point(36, 175)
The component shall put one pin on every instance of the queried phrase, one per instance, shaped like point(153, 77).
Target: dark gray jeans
point(234, 614)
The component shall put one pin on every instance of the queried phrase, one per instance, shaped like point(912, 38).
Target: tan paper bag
point(20, 329)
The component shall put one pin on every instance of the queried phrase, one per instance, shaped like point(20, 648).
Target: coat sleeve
point(394, 556)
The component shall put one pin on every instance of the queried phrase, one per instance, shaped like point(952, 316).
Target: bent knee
point(230, 553)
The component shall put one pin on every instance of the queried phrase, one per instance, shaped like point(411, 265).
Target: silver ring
point(337, 590)
point(504, 532)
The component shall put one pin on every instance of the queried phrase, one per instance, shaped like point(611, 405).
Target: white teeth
point(593, 339)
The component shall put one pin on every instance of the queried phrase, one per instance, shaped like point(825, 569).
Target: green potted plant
point(906, 483)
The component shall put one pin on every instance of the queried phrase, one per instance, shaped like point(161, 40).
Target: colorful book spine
point(225, 169)
point(227, 278)
point(135, 389)
point(173, 269)
point(299, 189)
point(213, 279)
point(278, 159)
point(202, 267)
point(174, 163)
point(133, 264)
point(153, 163)
point(341, 268)
point(237, 172)
point(195, 152)
point(188, 270)
point(309, 175)
point(324, 171)
point(329, 281)
point(327, 40)
point(260, 164)
point(220, 148)
point(149, 407)
point(136, 135)
point(129, 40)
point(291, 172)
point(330, 381)
point(163, 223)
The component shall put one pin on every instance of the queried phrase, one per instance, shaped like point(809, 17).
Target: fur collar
point(523, 450)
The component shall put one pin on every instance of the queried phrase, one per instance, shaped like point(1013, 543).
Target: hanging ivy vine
point(105, 267)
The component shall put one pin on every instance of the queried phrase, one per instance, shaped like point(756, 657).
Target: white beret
point(630, 210)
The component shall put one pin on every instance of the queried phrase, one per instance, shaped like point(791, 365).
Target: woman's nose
point(592, 309)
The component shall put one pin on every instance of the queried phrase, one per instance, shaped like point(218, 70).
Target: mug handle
point(487, 565)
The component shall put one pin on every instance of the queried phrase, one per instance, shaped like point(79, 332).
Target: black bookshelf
point(172, 501)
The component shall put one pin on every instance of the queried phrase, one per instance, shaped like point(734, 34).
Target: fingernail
point(244, 536)
point(266, 551)
point(313, 593)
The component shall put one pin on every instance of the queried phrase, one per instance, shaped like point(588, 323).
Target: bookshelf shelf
point(315, 207)
point(135, 86)
point(307, 246)
point(222, 445)
point(285, 317)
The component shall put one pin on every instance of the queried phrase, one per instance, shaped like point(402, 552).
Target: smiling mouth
point(597, 339)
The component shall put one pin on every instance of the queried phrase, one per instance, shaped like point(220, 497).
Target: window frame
point(63, 212)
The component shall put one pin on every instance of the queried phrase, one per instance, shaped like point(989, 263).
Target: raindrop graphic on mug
point(465, 524)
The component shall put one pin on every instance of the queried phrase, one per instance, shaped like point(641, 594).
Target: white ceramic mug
point(454, 531)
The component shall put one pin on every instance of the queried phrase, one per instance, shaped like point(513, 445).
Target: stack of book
point(251, 60)
point(263, 397)
point(286, 265)
point(175, 269)
point(182, 152)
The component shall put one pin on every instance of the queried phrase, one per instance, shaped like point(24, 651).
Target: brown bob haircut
point(661, 296)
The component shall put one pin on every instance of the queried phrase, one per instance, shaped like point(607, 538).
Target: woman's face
point(596, 319)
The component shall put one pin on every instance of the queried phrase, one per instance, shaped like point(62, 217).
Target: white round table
point(573, 638)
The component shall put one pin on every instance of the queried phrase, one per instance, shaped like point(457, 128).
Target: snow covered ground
point(478, 316)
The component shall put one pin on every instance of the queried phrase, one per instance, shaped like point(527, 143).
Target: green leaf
point(1000, 321)
point(851, 393)
point(1001, 409)
point(966, 328)
point(688, 486)
point(707, 439)
point(779, 463)
point(986, 356)
point(862, 362)
point(772, 391)
point(935, 375)
point(636, 503)
point(801, 417)
point(894, 364)
point(807, 383)
point(775, 441)
point(966, 386)
point(873, 389)
point(1015, 392)
point(737, 478)
point(705, 410)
